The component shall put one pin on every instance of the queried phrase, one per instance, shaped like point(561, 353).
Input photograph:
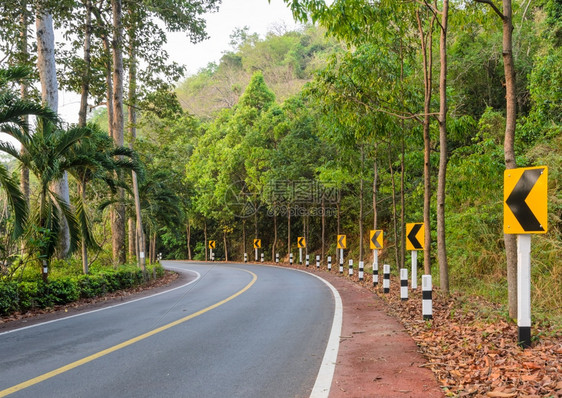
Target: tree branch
point(496, 9)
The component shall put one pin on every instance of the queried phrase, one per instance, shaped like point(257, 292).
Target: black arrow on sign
point(375, 241)
point(516, 200)
point(342, 238)
point(412, 236)
point(301, 242)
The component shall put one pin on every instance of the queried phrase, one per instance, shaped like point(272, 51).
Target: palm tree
point(48, 154)
point(96, 159)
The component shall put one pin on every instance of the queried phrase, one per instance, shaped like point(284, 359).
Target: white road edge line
point(198, 276)
point(325, 376)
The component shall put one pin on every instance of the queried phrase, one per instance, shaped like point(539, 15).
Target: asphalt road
point(235, 331)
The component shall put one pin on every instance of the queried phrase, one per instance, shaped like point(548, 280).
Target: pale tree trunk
point(188, 232)
point(426, 46)
point(443, 158)
point(85, 89)
point(49, 95)
point(118, 214)
point(133, 252)
point(509, 140)
point(375, 181)
point(139, 234)
point(402, 168)
point(24, 179)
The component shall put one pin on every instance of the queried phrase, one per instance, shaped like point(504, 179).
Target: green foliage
point(26, 295)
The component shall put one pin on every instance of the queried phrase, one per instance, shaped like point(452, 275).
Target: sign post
point(301, 243)
point(376, 242)
point(341, 245)
point(212, 245)
point(415, 236)
point(257, 246)
point(525, 212)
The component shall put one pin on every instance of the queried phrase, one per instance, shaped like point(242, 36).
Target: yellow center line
point(124, 344)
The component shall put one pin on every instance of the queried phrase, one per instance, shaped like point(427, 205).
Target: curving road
point(234, 331)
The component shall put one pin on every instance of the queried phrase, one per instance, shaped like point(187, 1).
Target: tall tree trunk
point(394, 217)
point(338, 221)
point(132, 114)
point(85, 265)
point(274, 249)
point(288, 230)
point(85, 89)
point(24, 179)
point(49, 95)
point(206, 242)
point(509, 139)
point(426, 46)
point(323, 252)
point(133, 246)
point(118, 216)
point(225, 245)
point(361, 204)
point(188, 232)
point(402, 168)
point(443, 158)
point(243, 237)
point(375, 181)
point(509, 151)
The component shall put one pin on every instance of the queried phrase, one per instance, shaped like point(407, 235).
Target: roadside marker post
point(291, 259)
point(415, 238)
point(329, 263)
point(525, 212)
point(262, 257)
point(361, 270)
point(317, 262)
point(341, 244)
point(212, 245)
point(307, 260)
point(301, 243)
point(257, 246)
point(386, 278)
point(350, 267)
point(276, 258)
point(245, 257)
point(404, 284)
point(376, 242)
point(427, 303)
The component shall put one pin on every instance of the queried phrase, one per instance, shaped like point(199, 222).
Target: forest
point(370, 116)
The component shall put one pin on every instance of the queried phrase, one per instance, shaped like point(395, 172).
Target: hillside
point(287, 61)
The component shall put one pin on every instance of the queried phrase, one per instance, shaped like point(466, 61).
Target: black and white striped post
point(329, 263)
point(341, 261)
point(350, 267)
point(317, 262)
point(245, 257)
point(386, 278)
point(307, 260)
point(404, 284)
point(261, 257)
point(361, 270)
point(427, 303)
point(291, 259)
point(276, 258)
point(375, 267)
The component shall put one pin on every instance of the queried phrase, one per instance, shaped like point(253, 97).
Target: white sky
point(259, 15)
